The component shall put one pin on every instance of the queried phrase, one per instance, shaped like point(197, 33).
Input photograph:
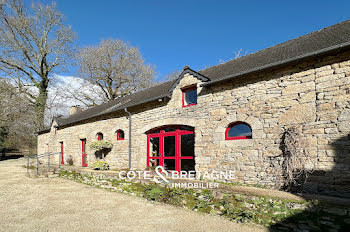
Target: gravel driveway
point(55, 204)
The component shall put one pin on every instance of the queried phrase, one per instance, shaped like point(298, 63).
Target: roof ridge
point(117, 100)
point(279, 44)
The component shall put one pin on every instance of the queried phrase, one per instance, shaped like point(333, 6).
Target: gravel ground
point(55, 204)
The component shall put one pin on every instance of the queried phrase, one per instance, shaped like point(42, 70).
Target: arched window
point(99, 136)
point(120, 135)
point(238, 130)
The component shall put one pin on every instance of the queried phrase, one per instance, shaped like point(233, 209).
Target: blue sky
point(171, 34)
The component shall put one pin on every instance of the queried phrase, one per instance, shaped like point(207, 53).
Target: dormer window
point(189, 96)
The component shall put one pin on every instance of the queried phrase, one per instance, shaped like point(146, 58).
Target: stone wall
point(312, 96)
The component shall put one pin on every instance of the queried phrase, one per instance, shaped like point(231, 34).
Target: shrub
point(101, 145)
point(154, 194)
point(69, 160)
point(100, 165)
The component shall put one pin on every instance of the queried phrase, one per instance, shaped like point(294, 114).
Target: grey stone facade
point(312, 96)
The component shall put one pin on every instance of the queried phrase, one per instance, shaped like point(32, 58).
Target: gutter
point(126, 110)
point(275, 64)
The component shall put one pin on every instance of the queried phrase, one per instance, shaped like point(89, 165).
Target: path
point(55, 204)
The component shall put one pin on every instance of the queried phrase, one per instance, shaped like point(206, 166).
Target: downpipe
point(126, 110)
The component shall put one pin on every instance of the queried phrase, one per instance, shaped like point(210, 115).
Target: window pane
point(169, 146)
point(154, 147)
point(191, 97)
point(240, 130)
point(169, 164)
point(83, 145)
point(153, 162)
point(169, 129)
point(121, 134)
point(187, 165)
point(99, 136)
point(186, 128)
point(187, 145)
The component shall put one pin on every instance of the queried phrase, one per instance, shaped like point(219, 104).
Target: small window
point(120, 135)
point(99, 136)
point(238, 130)
point(189, 96)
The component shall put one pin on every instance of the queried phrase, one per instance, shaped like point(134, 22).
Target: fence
point(51, 161)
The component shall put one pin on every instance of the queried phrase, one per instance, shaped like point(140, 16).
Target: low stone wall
point(272, 212)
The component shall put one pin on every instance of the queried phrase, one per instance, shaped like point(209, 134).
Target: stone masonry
point(313, 96)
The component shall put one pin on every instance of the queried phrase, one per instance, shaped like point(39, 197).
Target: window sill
point(183, 106)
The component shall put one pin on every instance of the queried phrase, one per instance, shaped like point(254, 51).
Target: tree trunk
point(40, 103)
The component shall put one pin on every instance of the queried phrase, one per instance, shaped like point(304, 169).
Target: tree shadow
point(334, 182)
point(6, 154)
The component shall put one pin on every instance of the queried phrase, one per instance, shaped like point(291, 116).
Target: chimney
point(75, 109)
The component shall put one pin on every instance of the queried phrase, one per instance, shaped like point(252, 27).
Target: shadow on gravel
point(334, 182)
point(9, 157)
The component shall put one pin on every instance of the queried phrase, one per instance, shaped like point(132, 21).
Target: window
point(99, 136)
point(120, 135)
point(189, 96)
point(238, 130)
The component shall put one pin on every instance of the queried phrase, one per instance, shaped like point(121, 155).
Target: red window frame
point(187, 89)
point(178, 156)
point(237, 137)
point(118, 134)
point(99, 136)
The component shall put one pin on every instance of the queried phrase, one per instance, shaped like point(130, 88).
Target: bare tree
point(16, 118)
point(34, 43)
point(236, 54)
point(79, 91)
point(173, 75)
point(115, 67)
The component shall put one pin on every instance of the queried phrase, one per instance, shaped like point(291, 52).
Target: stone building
point(230, 116)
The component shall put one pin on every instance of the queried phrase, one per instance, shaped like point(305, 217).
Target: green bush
point(155, 194)
point(100, 165)
point(101, 145)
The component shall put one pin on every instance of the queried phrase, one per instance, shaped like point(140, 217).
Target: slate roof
point(315, 43)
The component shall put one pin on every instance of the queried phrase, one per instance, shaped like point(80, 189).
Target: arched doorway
point(171, 147)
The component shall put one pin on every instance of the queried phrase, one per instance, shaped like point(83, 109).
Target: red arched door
point(171, 147)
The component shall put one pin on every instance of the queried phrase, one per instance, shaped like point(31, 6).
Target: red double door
point(171, 147)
